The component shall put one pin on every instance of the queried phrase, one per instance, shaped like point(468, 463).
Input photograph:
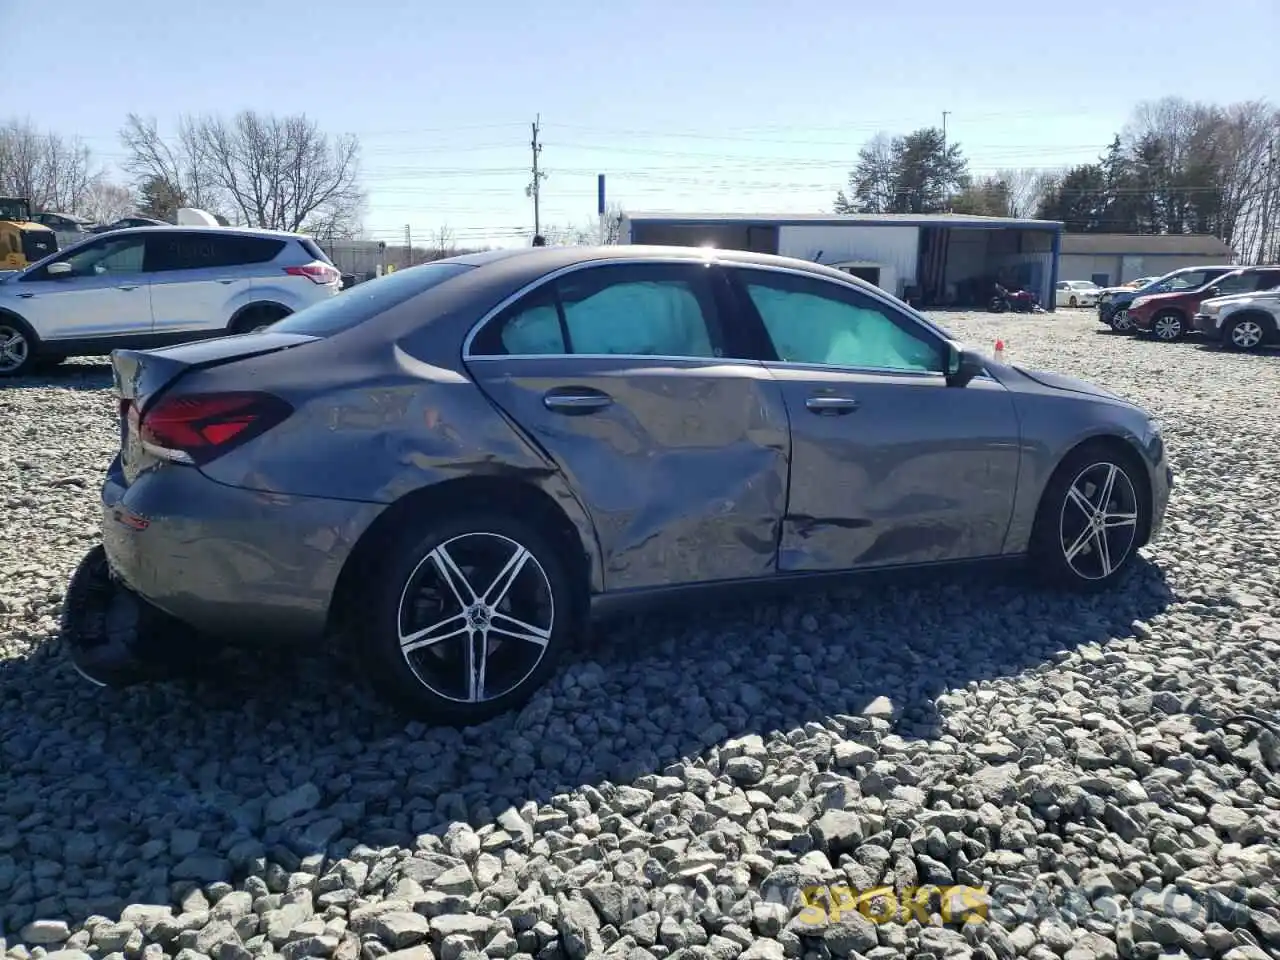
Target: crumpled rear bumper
point(114, 637)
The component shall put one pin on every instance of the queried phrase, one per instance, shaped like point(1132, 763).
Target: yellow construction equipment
point(22, 242)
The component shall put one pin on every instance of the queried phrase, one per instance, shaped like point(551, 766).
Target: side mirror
point(1212, 292)
point(963, 365)
point(59, 269)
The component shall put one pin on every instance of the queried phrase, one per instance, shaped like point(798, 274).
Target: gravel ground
point(684, 776)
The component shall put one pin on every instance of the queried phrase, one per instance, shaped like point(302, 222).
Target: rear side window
point(314, 251)
point(650, 310)
point(197, 251)
point(367, 300)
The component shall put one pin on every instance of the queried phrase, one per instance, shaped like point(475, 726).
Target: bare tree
point(105, 201)
point(871, 185)
point(1025, 188)
point(444, 243)
point(588, 235)
point(282, 173)
point(45, 168)
point(168, 168)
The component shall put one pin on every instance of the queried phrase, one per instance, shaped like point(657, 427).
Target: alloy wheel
point(475, 617)
point(1246, 334)
point(14, 349)
point(1167, 327)
point(1120, 321)
point(1098, 523)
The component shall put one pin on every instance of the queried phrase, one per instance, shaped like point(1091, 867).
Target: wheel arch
point(273, 305)
point(520, 498)
point(1257, 314)
point(10, 316)
point(1117, 445)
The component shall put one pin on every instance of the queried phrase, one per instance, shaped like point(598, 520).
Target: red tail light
point(316, 272)
point(197, 427)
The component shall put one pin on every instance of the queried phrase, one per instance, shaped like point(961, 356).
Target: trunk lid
point(143, 375)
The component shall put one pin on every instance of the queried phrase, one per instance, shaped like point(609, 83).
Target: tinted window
point(1236, 283)
point(313, 250)
point(651, 310)
point(365, 301)
point(197, 251)
point(1192, 280)
point(814, 322)
point(111, 256)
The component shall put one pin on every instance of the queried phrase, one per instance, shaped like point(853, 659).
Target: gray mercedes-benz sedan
point(453, 467)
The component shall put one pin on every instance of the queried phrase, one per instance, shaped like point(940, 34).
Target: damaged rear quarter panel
point(376, 426)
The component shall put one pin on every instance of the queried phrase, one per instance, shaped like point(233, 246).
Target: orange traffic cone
point(999, 354)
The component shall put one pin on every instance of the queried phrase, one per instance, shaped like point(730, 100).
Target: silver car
point(454, 467)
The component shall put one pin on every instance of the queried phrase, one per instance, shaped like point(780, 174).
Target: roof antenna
point(817, 258)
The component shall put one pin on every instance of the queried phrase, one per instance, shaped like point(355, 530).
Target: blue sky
point(700, 105)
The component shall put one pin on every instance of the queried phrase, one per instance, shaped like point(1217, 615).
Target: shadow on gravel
point(1263, 353)
point(173, 782)
point(80, 375)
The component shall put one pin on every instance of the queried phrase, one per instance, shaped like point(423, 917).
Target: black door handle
point(576, 401)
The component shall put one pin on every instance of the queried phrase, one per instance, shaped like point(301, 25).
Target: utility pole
point(533, 190)
point(408, 246)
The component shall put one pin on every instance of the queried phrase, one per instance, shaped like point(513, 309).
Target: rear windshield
point(366, 300)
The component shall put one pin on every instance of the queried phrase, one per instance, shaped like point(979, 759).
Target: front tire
point(1168, 326)
point(1090, 521)
point(467, 617)
point(1120, 321)
point(17, 348)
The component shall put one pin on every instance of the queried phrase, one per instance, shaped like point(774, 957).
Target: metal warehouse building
point(927, 259)
point(1115, 258)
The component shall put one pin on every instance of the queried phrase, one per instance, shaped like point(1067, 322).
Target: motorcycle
point(1016, 301)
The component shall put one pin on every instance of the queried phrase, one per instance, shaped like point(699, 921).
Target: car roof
point(549, 259)
point(230, 231)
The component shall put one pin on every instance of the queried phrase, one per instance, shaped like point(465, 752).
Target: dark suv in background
point(1113, 306)
point(1168, 316)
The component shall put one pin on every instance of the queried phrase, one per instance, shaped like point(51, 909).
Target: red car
point(1168, 315)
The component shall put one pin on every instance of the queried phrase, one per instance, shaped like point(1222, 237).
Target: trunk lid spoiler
point(142, 374)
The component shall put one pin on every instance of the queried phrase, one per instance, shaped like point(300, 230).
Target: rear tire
point(255, 318)
point(434, 651)
point(1091, 519)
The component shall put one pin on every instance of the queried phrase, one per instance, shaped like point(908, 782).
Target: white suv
point(1242, 321)
point(154, 287)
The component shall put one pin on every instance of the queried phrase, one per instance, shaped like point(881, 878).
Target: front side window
point(1191, 280)
point(121, 255)
point(810, 321)
point(1236, 283)
point(650, 310)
